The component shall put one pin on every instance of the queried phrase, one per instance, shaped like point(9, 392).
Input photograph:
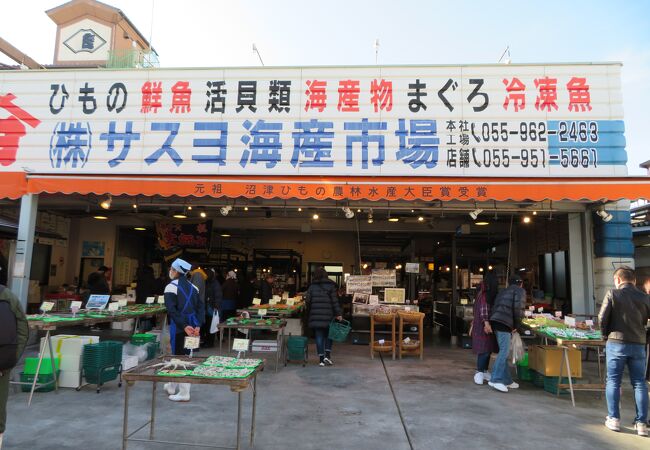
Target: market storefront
point(460, 169)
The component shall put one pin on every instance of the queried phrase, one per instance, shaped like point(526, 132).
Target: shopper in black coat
point(323, 307)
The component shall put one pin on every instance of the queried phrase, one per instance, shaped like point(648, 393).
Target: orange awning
point(337, 188)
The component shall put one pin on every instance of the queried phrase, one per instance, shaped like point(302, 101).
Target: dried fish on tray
point(230, 362)
point(221, 372)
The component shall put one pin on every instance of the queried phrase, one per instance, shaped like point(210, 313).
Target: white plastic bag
point(517, 350)
point(214, 326)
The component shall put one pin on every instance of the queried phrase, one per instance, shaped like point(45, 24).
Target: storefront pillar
point(24, 247)
point(581, 263)
point(454, 291)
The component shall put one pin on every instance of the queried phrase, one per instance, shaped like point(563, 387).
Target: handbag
point(214, 325)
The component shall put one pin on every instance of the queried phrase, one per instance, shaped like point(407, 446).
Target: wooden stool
point(412, 348)
point(389, 345)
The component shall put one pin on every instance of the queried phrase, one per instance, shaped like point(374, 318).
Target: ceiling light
point(447, 269)
point(358, 210)
point(140, 229)
point(421, 219)
point(365, 266)
point(474, 214)
point(604, 215)
point(203, 214)
point(348, 212)
point(490, 267)
point(245, 208)
point(480, 269)
point(299, 209)
point(135, 206)
point(106, 203)
point(315, 217)
point(225, 210)
point(412, 210)
point(179, 216)
point(100, 217)
point(481, 224)
point(225, 235)
point(534, 213)
point(526, 219)
point(370, 219)
point(393, 219)
point(189, 208)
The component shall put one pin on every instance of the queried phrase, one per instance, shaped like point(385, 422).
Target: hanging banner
point(174, 238)
point(412, 121)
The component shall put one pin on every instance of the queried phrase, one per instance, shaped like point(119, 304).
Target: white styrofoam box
point(69, 379)
point(116, 325)
point(129, 362)
point(70, 363)
point(128, 325)
point(69, 344)
point(264, 346)
point(294, 327)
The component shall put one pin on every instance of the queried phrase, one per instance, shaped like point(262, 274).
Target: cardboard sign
point(291, 301)
point(113, 306)
point(75, 305)
point(257, 301)
point(358, 283)
point(570, 321)
point(274, 301)
point(540, 309)
point(150, 300)
point(589, 323)
point(528, 313)
point(262, 312)
point(160, 299)
point(47, 306)
point(192, 342)
point(277, 298)
point(123, 302)
point(240, 345)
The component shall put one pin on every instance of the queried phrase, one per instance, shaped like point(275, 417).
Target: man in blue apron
point(186, 314)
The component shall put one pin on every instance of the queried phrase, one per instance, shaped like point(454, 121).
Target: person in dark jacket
point(623, 318)
point(504, 321)
point(213, 299)
point(483, 341)
point(491, 288)
point(266, 289)
point(97, 284)
point(230, 295)
point(248, 291)
point(323, 307)
point(16, 336)
point(186, 314)
point(146, 284)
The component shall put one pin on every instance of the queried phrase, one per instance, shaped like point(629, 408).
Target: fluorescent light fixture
point(100, 217)
point(474, 214)
point(482, 223)
point(225, 235)
point(140, 229)
point(179, 216)
point(526, 219)
point(393, 219)
point(225, 210)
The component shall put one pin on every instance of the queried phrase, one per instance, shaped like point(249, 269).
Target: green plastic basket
point(42, 379)
point(339, 330)
point(524, 373)
point(550, 385)
point(296, 348)
point(100, 377)
point(538, 379)
point(524, 361)
point(46, 366)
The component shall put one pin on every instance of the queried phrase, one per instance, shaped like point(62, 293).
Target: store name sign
point(492, 120)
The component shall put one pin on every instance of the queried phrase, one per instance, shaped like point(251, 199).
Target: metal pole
point(454, 292)
point(153, 409)
point(49, 345)
point(238, 420)
point(125, 421)
point(254, 405)
point(24, 248)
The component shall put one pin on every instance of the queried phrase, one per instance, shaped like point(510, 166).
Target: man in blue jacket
point(186, 313)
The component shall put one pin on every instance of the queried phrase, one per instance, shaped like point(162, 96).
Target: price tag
point(273, 301)
point(257, 301)
point(285, 296)
point(47, 306)
point(75, 305)
point(291, 301)
point(123, 302)
point(262, 312)
point(589, 323)
point(531, 308)
point(463, 301)
point(558, 314)
point(540, 309)
point(240, 345)
point(570, 321)
point(381, 342)
point(192, 342)
point(277, 297)
point(160, 299)
point(113, 306)
point(528, 313)
point(407, 340)
point(150, 300)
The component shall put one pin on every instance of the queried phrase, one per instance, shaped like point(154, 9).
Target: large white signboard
point(492, 120)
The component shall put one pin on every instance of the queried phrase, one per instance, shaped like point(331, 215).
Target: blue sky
point(194, 33)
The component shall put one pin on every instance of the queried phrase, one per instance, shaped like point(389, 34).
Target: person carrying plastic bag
point(186, 315)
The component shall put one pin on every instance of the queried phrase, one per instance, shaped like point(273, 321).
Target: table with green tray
point(148, 372)
point(50, 322)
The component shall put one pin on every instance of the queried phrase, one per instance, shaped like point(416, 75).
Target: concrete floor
point(348, 406)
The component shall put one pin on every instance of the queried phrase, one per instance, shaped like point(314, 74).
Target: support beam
point(581, 264)
point(18, 56)
point(24, 247)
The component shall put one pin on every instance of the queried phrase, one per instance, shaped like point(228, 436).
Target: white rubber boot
point(183, 393)
point(1, 434)
point(171, 388)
